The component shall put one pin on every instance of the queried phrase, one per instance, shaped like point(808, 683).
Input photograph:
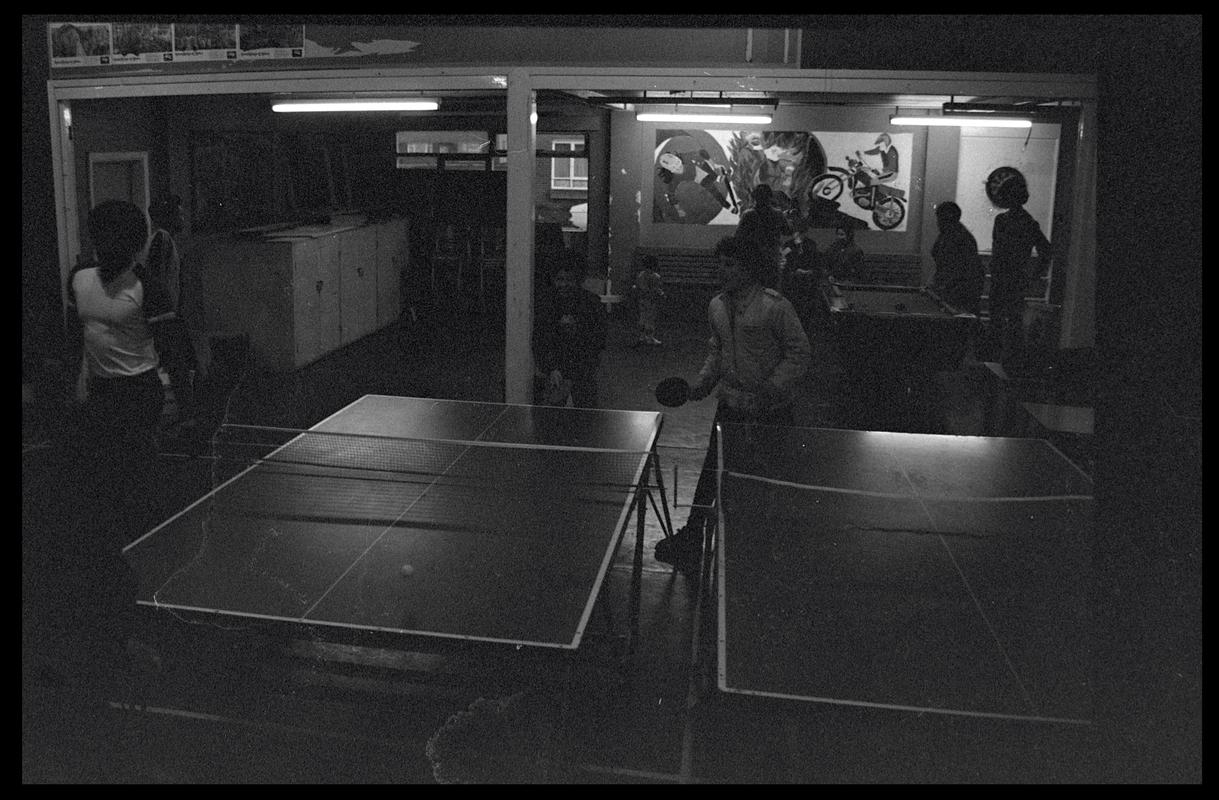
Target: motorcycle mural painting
point(707, 177)
point(879, 189)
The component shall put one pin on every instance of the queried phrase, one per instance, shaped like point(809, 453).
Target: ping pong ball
point(407, 569)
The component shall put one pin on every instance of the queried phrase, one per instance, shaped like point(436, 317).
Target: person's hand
point(80, 388)
point(763, 393)
point(699, 390)
point(742, 399)
point(769, 393)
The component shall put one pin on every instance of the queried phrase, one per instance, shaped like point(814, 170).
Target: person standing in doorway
point(649, 290)
point(1016, 235)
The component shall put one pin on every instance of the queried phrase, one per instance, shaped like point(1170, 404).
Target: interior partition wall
point(631, 178)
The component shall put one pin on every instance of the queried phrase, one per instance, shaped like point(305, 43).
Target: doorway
point(119, 176)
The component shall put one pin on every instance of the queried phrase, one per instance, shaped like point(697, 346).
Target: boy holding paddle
point(758, 351)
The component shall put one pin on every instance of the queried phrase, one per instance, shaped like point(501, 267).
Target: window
point(568, 173)
point(501, 147)
point(447, 150)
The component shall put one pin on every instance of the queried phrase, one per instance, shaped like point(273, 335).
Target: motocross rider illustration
point(674, 169)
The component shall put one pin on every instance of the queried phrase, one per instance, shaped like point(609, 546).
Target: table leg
point(664, 499)
point(637, 567)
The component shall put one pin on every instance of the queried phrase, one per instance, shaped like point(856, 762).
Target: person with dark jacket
point(1016, 235)
point(803, 273)
point(164, 264)
point(844, 258)
point(569, 335)
point(959, 273)
point(765, 226)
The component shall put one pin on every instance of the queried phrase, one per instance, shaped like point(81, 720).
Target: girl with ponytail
point(117, 308)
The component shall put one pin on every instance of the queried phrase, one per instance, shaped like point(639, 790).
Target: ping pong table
point(430, 522)
point(918, 572)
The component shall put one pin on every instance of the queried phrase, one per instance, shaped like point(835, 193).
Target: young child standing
point(649, 288)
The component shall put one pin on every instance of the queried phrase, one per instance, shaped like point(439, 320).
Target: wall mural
point(858, 179)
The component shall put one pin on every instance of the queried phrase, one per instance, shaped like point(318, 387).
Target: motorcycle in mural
point(887, 203)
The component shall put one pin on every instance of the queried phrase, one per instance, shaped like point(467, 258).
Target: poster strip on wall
point(205, 42)
point(142, 43)
point(858, 179)
point(79, 44)
point(271, 41)
point(94, 44)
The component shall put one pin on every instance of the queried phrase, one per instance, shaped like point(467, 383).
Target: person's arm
point(158, 304)
point(169, 333)
point(786, 230)
point(854, 266)
point(949, 260)
point(745, 228)
point(709, 374)
point(74, 342)
point(797, 353)
point(544, 355)
point(597, 328)
point(1043, 247)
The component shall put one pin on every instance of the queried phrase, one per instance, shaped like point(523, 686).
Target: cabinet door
point(391, 241)
point(315, 294)
point(246, 287)
point(358, 289)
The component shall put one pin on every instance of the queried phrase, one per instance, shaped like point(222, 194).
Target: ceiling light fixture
point(969, 115)
point(412, 104)
point(962, 122)
point(743, 119)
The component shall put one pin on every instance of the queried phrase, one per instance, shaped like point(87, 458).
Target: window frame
point(567, 183)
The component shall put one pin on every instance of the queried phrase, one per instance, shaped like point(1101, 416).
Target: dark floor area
point(92, 714)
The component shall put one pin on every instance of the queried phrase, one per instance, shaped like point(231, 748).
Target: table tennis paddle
point(673, 392)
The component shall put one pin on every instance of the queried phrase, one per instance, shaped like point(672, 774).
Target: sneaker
point(684, 549)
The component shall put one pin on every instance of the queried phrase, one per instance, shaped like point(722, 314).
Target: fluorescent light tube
point(732, 119)
point(963, 122)
point(355, 105)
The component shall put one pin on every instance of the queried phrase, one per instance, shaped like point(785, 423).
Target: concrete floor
point(640, 725)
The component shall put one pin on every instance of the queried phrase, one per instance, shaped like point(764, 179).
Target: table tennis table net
point(284, 498)
point(237, 449)
point(317, 525)
point(328, 478)
point(907, 597)
point(767, 502)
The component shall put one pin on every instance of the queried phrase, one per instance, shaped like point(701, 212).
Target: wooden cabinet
point(392, 258)
point(300, 293)
point(316, 303)
point(357, 284)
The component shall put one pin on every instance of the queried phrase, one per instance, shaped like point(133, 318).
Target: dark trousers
point(705, 491)
point(1005, 337)
point(125, 410)
point(118, 442)
point(181, 364)
point(113, 481)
